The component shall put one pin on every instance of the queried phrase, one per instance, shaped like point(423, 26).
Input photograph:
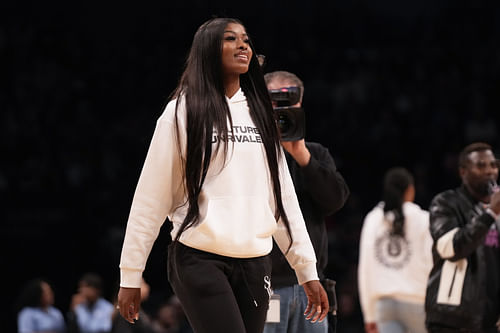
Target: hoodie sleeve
point(153, 200)
point(300, 255)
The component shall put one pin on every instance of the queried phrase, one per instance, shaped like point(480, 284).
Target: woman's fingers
point(129, 303)
point(317, 305)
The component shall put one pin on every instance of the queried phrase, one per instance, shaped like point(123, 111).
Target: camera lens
point(283, 123)
point(290, 122)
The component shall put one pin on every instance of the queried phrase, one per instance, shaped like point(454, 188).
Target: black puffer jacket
point(463, 290)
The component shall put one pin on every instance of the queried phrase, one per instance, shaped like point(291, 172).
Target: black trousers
point(220, 294)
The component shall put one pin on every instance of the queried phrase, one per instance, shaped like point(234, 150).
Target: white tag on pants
point(273, 313)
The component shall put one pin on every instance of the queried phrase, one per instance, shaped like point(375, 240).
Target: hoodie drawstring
point(243, 272)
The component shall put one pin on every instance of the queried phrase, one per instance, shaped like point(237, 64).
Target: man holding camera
point(321, 191)
point(463, 291)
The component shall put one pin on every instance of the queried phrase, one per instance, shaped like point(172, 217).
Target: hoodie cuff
point(130, 279)
point(306, 272)
point(369, 317)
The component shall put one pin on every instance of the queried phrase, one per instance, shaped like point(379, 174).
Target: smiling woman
point(225, 186)
point(236, 55)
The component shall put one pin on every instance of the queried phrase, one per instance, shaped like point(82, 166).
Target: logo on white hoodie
point(392, 251)
point(240, 134)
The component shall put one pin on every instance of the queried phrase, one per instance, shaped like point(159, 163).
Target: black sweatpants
point(220, 294)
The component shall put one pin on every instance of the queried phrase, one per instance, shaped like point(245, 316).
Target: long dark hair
point(202, 87)
point(396, 182)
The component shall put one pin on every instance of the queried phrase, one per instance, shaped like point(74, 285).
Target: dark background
point(387, 83)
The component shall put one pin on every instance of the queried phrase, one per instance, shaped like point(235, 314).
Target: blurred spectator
point(395, 259)
point(89, 311)
point(36, 310)
point(166, 320)
point(170, 318)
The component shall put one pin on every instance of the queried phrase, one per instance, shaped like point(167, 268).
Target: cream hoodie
point(397, 270)
point(236, 202)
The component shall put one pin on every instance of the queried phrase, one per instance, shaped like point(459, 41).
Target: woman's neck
point(231, 86)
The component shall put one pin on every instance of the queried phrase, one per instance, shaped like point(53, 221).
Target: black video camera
point(291, 120)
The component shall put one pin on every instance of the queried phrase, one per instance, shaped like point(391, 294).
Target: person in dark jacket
point(463, 291)
point(321, 191)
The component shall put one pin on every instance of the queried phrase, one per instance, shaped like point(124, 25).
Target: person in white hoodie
point(395, 259)
point(216, 169)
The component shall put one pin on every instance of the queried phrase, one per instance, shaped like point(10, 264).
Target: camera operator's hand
point(299, 151)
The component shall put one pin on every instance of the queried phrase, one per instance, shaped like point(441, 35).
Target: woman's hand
point(129, 302)
point(371, 328)
point(317, 301)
